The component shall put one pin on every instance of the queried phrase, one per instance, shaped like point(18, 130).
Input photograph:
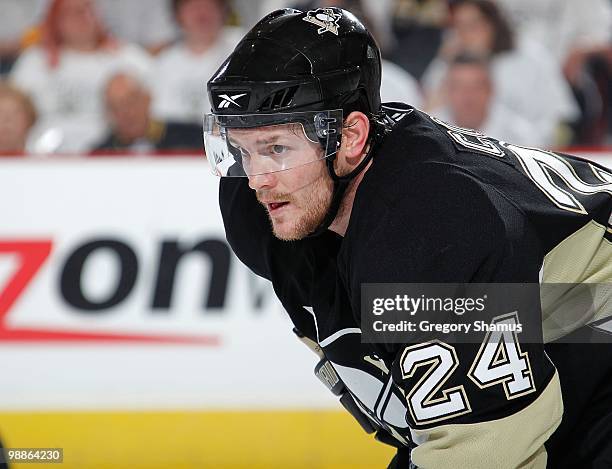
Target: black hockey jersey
point(444, 204)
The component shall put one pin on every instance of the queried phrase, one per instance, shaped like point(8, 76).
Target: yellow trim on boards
point(190, 440)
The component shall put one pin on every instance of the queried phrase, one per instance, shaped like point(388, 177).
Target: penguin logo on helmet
point(326, 18)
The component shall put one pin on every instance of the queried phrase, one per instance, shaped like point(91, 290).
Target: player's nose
point(261, 181)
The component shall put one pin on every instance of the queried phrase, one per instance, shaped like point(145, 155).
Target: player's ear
point(355, 133)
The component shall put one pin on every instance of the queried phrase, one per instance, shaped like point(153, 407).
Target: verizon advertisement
point(119, 291)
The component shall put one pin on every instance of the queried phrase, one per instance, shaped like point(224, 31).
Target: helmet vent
point(279, 99)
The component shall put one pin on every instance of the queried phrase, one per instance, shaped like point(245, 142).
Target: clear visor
point(253, 144)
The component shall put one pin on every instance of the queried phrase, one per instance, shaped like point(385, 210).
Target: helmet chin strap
point(341, 183)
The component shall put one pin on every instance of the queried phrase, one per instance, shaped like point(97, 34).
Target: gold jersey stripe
point(582, 264)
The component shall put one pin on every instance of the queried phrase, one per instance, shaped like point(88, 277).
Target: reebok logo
point(228, 100)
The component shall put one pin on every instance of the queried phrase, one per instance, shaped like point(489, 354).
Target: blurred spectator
point(568, 29)
point(397, 85)
point(470, 90)
point(65, 75)
point(527, 81)
point(128, 103)
point(17, 23)
point(182, 71)
point(17, 116)
point(417, 27)
point(577, 35)
point(148, 23)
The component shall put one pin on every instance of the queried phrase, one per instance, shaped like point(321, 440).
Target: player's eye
point(277, 150)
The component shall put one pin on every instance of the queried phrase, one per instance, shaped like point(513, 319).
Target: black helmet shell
point(299, 61)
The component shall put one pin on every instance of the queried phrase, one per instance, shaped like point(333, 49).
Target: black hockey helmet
point(301, 61)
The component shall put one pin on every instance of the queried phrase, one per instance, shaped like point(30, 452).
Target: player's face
point(296, 199)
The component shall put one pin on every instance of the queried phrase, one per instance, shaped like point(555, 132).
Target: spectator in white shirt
point(133, 130)
point(570, 30)
point(66, 74)
point(577, 34)
point(527, 81)
point(182, 71)
point(471, 104)
point(397, 85)
point(148, 23)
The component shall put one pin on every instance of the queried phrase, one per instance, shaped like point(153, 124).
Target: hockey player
point(325, 189)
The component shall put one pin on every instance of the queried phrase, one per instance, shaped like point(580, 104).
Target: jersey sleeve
point(466, 407)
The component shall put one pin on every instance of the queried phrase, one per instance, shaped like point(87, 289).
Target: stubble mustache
point(265, 198)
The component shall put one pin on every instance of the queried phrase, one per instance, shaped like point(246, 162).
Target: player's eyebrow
point(268, 140)
point(260, 141)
